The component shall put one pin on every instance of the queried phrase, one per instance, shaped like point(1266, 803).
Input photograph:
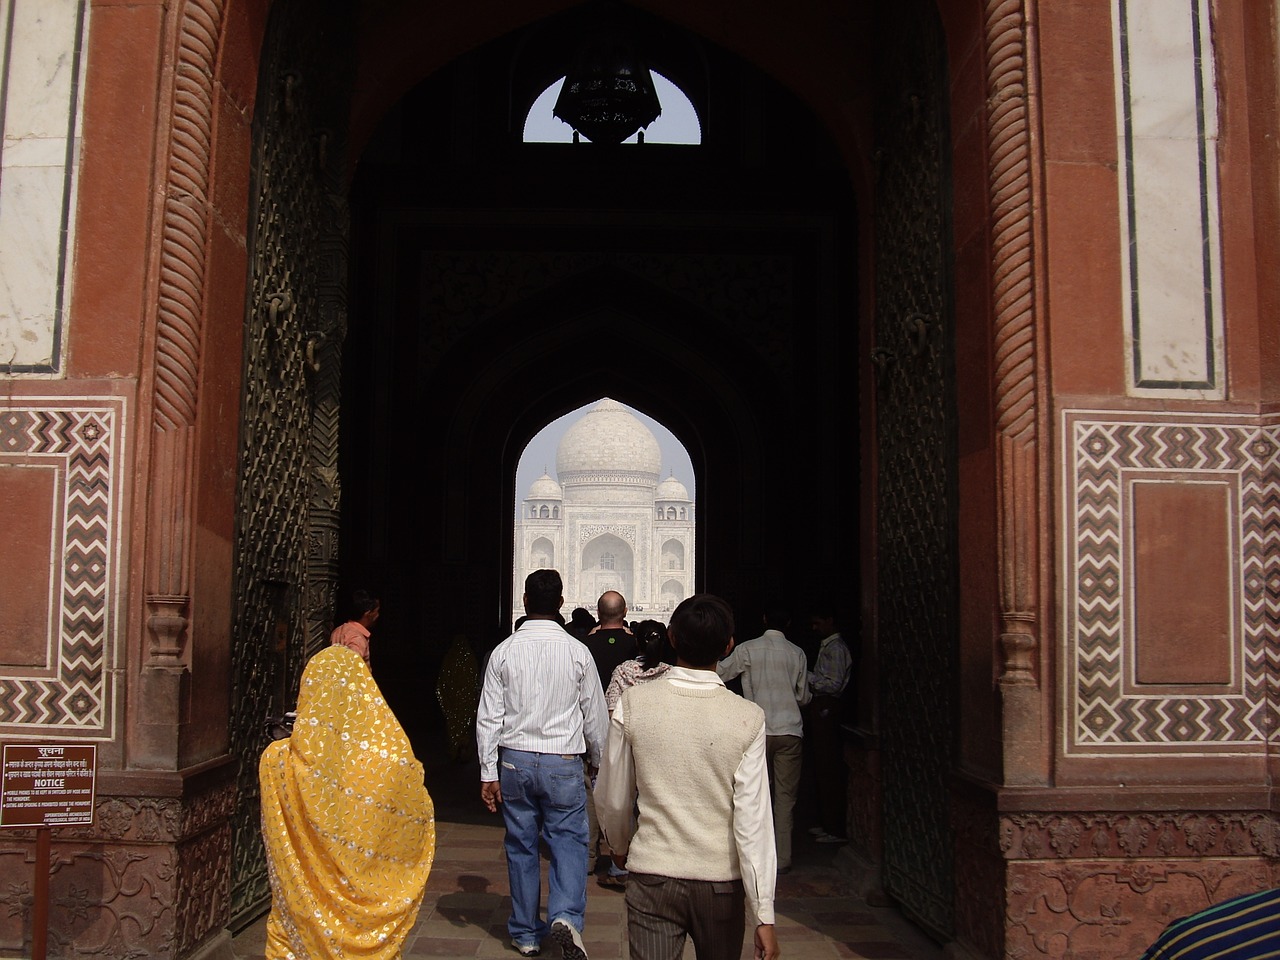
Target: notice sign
point(47, 785)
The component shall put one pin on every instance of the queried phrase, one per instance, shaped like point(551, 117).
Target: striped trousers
point(663, 911)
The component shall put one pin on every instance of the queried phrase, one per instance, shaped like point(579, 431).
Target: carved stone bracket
point(1019, 664)
point(167, 624)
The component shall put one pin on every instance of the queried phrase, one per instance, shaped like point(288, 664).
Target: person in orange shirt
point(354, 634)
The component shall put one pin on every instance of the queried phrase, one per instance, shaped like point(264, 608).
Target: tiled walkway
point(465, 910)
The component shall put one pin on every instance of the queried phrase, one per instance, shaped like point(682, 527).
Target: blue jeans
point(544, 797)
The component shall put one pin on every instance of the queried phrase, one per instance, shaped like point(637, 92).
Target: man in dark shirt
point(611, 642)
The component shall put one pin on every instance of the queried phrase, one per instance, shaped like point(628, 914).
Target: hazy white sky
point(540, 454)
point(678, 122)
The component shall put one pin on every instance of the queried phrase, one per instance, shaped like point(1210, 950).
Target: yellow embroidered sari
point(348, 825)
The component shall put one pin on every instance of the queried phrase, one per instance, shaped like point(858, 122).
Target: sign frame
point(48, 784)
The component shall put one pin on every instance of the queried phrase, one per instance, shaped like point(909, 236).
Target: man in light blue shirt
point(541, 710)
point(774, 675)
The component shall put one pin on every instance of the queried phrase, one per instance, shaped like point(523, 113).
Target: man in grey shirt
point(832, 671)
point(774, 675)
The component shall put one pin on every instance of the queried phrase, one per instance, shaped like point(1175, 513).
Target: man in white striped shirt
point(541, 710)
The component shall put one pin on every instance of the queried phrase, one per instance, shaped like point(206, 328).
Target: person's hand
point(619, 860)
point(491, 794)
point(766, 943)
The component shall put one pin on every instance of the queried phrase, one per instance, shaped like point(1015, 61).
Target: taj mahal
point(606, 522)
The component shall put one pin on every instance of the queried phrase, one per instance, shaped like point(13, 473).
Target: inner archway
point(603, 516)
point(498, 285)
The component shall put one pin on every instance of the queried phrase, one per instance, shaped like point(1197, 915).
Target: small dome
point(544, 488)
point(671, 489)
point(609, 441)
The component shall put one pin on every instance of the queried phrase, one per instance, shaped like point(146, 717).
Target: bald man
point(611, 643)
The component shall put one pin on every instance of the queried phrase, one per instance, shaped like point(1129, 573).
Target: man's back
point(688, 742)
point(532, 691)
point(773, 671)
point(691, 756)
point(610, 646)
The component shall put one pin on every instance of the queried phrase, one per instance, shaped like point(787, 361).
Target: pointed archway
point(725, 302)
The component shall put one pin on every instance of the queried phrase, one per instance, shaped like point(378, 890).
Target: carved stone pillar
point(1010, 108)
point(179, 334)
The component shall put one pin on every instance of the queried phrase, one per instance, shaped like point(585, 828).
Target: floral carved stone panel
point(1098, 910)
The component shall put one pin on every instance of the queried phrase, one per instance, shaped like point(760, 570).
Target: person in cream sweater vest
point(701, 851)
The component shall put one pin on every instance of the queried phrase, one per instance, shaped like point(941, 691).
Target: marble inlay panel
point(81, 439)
point(1168, 130)
point(1106, 711)
point(41, 83)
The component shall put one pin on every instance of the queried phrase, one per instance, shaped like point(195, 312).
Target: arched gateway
point(959, 307)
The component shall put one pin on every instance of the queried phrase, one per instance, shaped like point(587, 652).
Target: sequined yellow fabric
point(458, 690)
point(348, 825)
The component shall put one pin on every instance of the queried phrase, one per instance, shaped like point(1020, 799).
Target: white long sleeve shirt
point(615, 797)
point(542, 694)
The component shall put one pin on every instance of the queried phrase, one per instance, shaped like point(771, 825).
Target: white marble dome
point(608, 441)
point(545, 488)
point(671, 489)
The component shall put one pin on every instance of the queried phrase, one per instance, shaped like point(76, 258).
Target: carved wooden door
point(295, 320)
point(916, 463)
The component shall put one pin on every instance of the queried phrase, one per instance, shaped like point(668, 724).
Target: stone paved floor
point(465, 909)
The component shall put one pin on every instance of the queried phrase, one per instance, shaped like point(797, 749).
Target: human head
point(652, 643)
point(611, 608)
point(582, 618)
point(776, 617)
point(543, 593)
point(823, 620)
point(365, 607)
point(701, 629)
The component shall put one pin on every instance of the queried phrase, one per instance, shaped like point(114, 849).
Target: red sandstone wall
point(1092, 859)
point(123, 249)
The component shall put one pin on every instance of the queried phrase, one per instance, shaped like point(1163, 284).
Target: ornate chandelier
point(608, 93)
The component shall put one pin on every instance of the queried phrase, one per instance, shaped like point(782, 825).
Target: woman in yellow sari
point(348, 825)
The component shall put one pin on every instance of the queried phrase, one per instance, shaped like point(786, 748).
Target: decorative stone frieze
point(1179, 834)
point(624, 531)
point(1099, 909)
point(150, 877)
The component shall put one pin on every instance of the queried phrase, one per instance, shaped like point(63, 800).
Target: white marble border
point(1166, 111)
point(42, 67)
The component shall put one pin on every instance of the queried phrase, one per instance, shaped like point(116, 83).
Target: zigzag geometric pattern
point(1105, 452)
point(81, 437)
